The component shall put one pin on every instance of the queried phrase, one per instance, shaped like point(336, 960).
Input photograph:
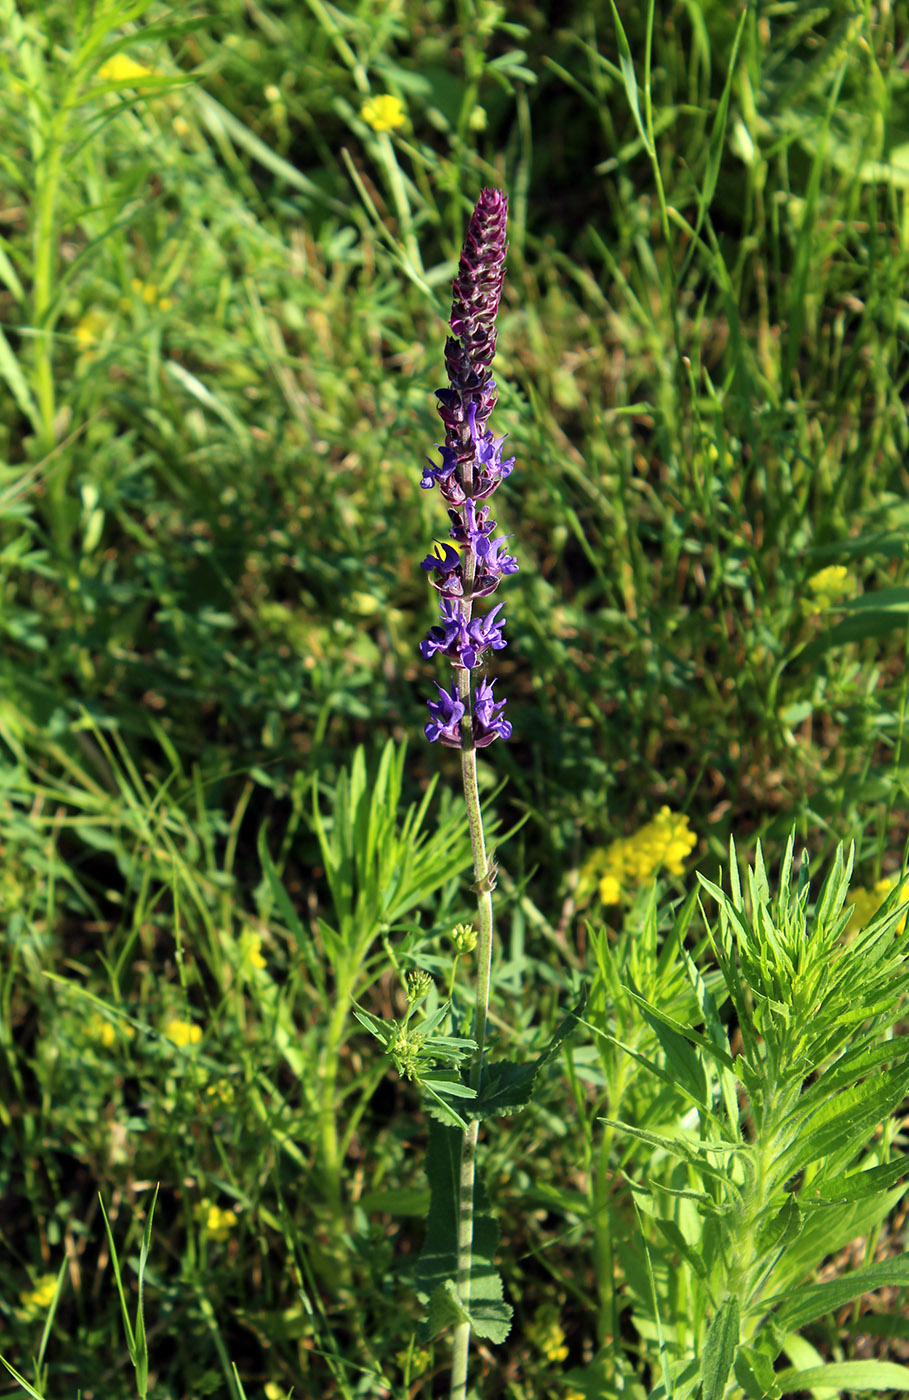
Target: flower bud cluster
point(470, 470)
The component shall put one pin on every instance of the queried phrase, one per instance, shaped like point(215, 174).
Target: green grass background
point(222, 302)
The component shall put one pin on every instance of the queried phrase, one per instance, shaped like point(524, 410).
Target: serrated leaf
point(507, 1087)
point(719, 1349)
point(437, 1267)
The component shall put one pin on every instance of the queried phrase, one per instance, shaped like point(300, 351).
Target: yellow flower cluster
point(215, 1222)
point(385, 113)
point(665, 843)
point(545, 1332)
point(829, 586)
point(37, 1300)
point(866, 903)
point(183, 1033)
point(149, 293)
point(105, 1032)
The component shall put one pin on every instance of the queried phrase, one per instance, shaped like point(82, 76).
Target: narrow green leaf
point(626, 63)
point(115, 1263)
point(846, 1376)
point(855, 1186)
point(11, 371)
point(846, 1120)
point(802, 1305)
point(20, 1380)
point(719, 1349)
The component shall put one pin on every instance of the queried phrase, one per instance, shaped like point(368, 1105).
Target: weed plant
point(227, 240)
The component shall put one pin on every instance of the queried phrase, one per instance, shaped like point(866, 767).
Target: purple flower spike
point(470, 470)
point(447, 713)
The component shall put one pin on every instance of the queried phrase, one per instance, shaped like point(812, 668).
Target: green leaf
point(871, 615)
point(754, 1373)
point(855, 1186)
point(846, 1120)
point(802, 1305)
point(20, 1380)
point(845, 1376)
point(437, 1268)
point(507, 1087)
point(781, 1228)
point(626, 63)
point(673, 1234)
point(719, 1349)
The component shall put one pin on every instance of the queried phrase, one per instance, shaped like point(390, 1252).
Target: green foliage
point(222, 300)
point(738, 1208)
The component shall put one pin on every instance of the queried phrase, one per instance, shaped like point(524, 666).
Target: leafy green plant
point(775, 1159)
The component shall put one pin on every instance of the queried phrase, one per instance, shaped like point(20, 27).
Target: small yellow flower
point(38, 1299)
point(215, 1222)
point(546, 1334)
point(385, 113)
point(106, 1032)
point(90, 329)
point(119, 68)
point(183, 1033)
point(222, 1093)
point(866, 903)
point(829, 586)
point(251, 957)
point(273, 1391)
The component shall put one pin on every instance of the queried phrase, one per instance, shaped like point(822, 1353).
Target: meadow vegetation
point(227, 237)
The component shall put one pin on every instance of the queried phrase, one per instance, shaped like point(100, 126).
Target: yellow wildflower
point(251, 951)
point(385, 113)
point(215, 1222)
point(221, 1093)
point(38, 1299)
point(90, 329)
point(546, 1334)
point(105, 1031)
point(183, 1033)
point(119, 68)
point(665, 843)
point(829, 586)
point(273, 1391)
point(866, 903)
point(149, 293)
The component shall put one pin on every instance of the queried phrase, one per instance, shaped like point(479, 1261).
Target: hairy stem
point(467, 1175)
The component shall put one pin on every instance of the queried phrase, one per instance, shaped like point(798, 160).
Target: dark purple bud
point(470, 349)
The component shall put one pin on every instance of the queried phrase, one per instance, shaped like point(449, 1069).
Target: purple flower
point(447, 713)
point(471, 468)
point(487, 716)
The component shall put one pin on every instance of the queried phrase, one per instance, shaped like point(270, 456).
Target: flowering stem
point(470, 568)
